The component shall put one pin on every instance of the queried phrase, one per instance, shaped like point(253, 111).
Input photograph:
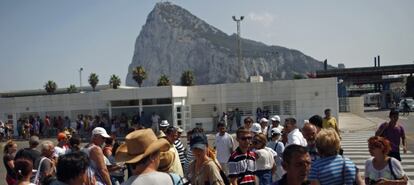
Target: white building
point(184, 106)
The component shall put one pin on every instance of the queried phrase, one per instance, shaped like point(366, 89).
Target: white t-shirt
point(375, 174)
point(152, 178)
point(296, 137)
point(60, 151)
point(224, 146)
point(265, 160)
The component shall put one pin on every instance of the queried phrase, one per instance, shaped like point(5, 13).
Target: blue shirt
point(329, 170)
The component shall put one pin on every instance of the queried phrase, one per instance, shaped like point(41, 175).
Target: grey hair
point(46, 145)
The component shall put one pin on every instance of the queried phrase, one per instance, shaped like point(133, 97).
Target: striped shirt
point(242, 166)
point(181, 151)
point(329, 170)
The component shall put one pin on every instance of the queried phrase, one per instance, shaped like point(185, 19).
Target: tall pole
point(80, 79)
point(239, 51)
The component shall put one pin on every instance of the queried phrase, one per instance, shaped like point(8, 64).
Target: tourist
point(395, 133)
point(296, 163)
point(380, 168)
point(224, 145)
point(31, 152)
point(171, 136)
point(309, 132)
point(9, 152)
point(264, 125)
point(142, 151)
point(180, 148)
point(215, 116)
point(275, 124)
point(256, 128)
point(71, 169)
point(62, 147)
point(163, 126)
point(46, 169)
point(116, 171)
point(203, 170)
point(317, 121)
point(331, 168)
point(237, 115)
point(276, 145)
point(155, 118)
point(94, 152)
point(74, 144)
point(23, 168)
point(294, 136)
point(230, 119)
point(330, 122)
point(265, 163)
point(242, 162)
point(248, 122)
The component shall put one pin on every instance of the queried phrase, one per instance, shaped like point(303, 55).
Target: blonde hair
point(8, 145)
point(328, 142)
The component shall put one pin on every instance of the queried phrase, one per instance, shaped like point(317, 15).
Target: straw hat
point(166, 161)
point(139, 144)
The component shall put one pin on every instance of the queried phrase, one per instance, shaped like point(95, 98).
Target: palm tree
point(187, 78)
point(71, 89)
point(114, 81)
point(164, 81)
point(139, 75)
point(93, 80)
point(50, 87)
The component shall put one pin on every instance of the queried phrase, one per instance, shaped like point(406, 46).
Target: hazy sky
point(50, 40)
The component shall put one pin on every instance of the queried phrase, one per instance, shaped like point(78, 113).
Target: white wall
point(312, 96)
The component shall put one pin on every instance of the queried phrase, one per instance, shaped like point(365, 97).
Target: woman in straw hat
point(203, 170)
point(142, 152)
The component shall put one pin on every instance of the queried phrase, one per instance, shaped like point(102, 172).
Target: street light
point(239, 52)
point(80, 79)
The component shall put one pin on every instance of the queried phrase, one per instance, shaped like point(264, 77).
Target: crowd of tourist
point(267, 152)
point(49, 126)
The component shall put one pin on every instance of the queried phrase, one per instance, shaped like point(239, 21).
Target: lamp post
point(239, 52)
point(80, 79)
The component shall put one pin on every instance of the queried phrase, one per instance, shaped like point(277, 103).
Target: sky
point(51, 40)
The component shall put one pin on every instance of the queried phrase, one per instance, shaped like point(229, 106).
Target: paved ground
point(348, 123)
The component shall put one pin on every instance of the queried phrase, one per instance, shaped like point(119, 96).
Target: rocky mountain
point(173, 40)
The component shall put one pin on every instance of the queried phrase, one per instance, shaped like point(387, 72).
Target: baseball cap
point(100, 131)
point(263, 120)
point(275, 131)
point(256, 128)
point(198, 140)
point(61, 136)
point(164, 123)
point(275, 118)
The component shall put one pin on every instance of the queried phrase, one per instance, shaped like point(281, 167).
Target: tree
point(71, 89)
point(114, 82)
point(93, 80)
point(187, 78)
point(50, 87)
point(139, 75)
point(164, 81)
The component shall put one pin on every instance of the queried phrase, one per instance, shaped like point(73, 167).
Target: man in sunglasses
point(242, 162)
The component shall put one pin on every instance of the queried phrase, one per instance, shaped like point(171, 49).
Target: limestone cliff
point(173, 40)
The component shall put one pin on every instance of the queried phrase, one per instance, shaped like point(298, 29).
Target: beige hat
point(166, 161)
point(139, 144)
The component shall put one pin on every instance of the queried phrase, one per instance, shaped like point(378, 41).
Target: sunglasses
point(245, 138)
point(255, 142)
